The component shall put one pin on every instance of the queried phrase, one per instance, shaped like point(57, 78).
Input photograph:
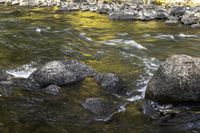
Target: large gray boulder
point(61, 73)
point(177, 80)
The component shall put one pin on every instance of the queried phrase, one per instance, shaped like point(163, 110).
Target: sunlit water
point(30, 37)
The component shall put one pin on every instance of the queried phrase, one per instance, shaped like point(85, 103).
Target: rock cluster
point(124, 11)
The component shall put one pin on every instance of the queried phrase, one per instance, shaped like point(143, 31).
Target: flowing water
point(29, 37)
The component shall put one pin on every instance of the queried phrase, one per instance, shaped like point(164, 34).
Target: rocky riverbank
point(124, 11)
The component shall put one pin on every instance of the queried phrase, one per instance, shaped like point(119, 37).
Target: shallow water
point(29, 37)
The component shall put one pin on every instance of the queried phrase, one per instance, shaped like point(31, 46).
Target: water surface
point(29, 37)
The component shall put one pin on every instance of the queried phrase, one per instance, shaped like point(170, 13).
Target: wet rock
point(142, 12)
point(150, 12)
point(120, 15)
point(72, 7)
point(177, 80)
point(171, 20)
point(102, 109)
point(61, 73)
point(173, 117)
point(104, 9)
point(85, 7)
point(111, 83)
point(177, 11)
point(161, 14)
point(52, 89)
point(190, 18)
point(79, 68)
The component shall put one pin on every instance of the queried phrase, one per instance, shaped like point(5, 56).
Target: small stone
point(52, 89)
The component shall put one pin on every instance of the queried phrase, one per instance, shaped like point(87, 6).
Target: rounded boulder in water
point(177, 80)
point(61, 73)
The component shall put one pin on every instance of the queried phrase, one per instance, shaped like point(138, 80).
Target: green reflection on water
point(60, 39)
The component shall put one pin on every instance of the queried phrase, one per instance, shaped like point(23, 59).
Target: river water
point(29, 37)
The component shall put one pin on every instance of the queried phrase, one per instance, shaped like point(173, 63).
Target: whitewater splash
point(171, 37)
point(126, 42)
point(150, 65)
point(22, 72)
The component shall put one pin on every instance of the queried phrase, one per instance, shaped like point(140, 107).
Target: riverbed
point(30, 37)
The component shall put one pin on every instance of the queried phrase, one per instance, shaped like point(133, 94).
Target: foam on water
point(134, 98)
point(187, 36)
point(123, 34)
point(171, 37)
point(38, 30)
point(126, 42)
point(83, 36)
point(165, 37)
point(150, 66)
point(22, 72)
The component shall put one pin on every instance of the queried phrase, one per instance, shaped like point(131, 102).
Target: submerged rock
point(102, 109)
point(173, 117)
point(111, 83)
point(177, 80)
point(61, 73)
point(6, 88)
point(25, 84)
